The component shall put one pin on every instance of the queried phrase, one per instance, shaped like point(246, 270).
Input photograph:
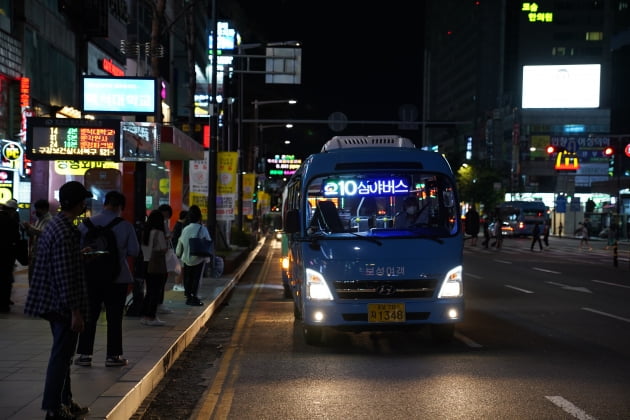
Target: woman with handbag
point(154, 248)
point(193, 264)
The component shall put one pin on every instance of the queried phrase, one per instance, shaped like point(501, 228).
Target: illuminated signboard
point(567, 161)
point(283, 165)
point(139, 141)
point(72, 139)
point(120, 95)
point(365, 187)
point(561, 86)
point(534, 14)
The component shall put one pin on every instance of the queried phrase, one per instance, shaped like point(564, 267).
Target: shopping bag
point(172, 262)
point(200, 247)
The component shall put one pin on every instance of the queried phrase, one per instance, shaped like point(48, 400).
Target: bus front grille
point(386, 289)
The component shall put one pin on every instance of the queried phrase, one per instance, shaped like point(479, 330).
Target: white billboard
point(565, 86)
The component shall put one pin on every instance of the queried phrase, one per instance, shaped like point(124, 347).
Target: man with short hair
point(58, 294)
point(110, 292)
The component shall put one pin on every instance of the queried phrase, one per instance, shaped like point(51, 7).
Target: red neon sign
point(109, 67)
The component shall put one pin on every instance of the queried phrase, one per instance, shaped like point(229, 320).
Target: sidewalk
point(110, 392)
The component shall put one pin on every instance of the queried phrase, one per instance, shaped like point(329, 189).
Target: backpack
point(106, 264)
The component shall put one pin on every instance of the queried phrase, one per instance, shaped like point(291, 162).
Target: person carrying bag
point(154, 247)
point(194, 235)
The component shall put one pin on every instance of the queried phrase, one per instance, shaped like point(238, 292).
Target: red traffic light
point(551, 150)
point(609, 151)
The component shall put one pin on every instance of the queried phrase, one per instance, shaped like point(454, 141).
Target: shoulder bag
point(200, 247)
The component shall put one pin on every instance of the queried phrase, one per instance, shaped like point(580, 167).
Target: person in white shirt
point(193, 265)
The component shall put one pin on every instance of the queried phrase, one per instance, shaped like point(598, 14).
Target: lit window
point(594, 36)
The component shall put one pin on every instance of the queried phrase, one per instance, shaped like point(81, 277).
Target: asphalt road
point(546, 335)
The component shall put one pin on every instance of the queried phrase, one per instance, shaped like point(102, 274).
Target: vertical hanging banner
point(198, 178)
point(249, 183)
point(227, 164)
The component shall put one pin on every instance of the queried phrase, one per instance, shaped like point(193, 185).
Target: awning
point(177, 145)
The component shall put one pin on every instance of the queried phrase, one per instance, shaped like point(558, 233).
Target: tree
point(477, 184)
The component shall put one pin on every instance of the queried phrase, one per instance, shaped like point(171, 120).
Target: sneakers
point(178, 288)
point(193, 301)
point(164, 310)
point(83, 360)
point(152, 322)
point(63, 413)
point(76, 410)
point(112, 361)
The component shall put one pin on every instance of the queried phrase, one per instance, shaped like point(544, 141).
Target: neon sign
point(365, 187)
point(533, 13)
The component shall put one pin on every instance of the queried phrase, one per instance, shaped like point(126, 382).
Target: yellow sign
point(164, 185)
point(567, 161)
point(71, 167)
point(12, 151)
point(227, 163)
point(5, 194)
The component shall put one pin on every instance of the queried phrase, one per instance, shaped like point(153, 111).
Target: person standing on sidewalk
point(177, 231)
point(42, 213)
point(58, 293)
point(103, 290)
point(153, 238)
point(193, 265)
point(8, 251)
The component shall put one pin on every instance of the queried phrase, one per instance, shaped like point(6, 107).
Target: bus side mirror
point(292, 221)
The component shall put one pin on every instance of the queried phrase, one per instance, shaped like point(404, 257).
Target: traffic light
point(610, 153)
point(551, 150)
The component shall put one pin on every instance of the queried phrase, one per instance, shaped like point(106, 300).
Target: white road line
point(595, 311)
point(504, 261)
point(469, 342)
point(569, 407)
point(519, 289)
point(612, 284)
point(544, 270)
point(474, 276)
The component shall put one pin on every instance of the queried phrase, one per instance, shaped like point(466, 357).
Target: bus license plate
point(386, 312)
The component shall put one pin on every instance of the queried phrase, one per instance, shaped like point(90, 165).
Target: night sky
point(362, 60)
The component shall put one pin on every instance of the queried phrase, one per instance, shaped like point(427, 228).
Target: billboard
point(72, 139)
point(563, 86)
point(119, 95)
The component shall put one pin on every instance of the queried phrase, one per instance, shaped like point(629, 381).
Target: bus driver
point(410, 215)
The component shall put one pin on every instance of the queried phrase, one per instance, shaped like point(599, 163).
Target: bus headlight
point(316, 287)
point(452, 286)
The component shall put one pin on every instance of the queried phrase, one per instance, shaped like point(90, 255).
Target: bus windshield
point(405, 204)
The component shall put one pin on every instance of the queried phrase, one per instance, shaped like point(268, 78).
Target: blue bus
point(355, 262)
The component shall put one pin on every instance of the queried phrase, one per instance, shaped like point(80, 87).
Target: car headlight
point(316, 287)
point(452, 286)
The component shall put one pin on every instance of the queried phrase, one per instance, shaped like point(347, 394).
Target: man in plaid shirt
point(58, 294)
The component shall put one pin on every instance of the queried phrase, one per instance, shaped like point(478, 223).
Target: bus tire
point(297, 314)
point(312, 335)
point(442, 333)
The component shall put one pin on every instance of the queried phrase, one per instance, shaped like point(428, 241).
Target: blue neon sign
point(348, 187)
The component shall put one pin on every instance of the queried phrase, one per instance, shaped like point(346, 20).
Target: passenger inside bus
point(411, 214)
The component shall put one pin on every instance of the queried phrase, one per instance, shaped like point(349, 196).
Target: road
point(546, 335)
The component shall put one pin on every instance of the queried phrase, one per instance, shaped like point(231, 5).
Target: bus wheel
point(312, 335)
point(442, 333)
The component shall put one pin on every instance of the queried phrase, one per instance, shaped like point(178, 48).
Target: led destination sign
point(365, 187)
point(72, 139)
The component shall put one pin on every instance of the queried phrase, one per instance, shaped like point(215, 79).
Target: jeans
point(113, 296)
point(57, 388)
point(154, 293)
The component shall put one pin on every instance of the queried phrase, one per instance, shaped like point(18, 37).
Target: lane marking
point(503, 261)
point(519, 289)
point(595, 311)
point(217, 399)
point(612, 284)
point(544, 270)
point(567, 287)
point(469, 342)
point(569, 407)
point(474, 276)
